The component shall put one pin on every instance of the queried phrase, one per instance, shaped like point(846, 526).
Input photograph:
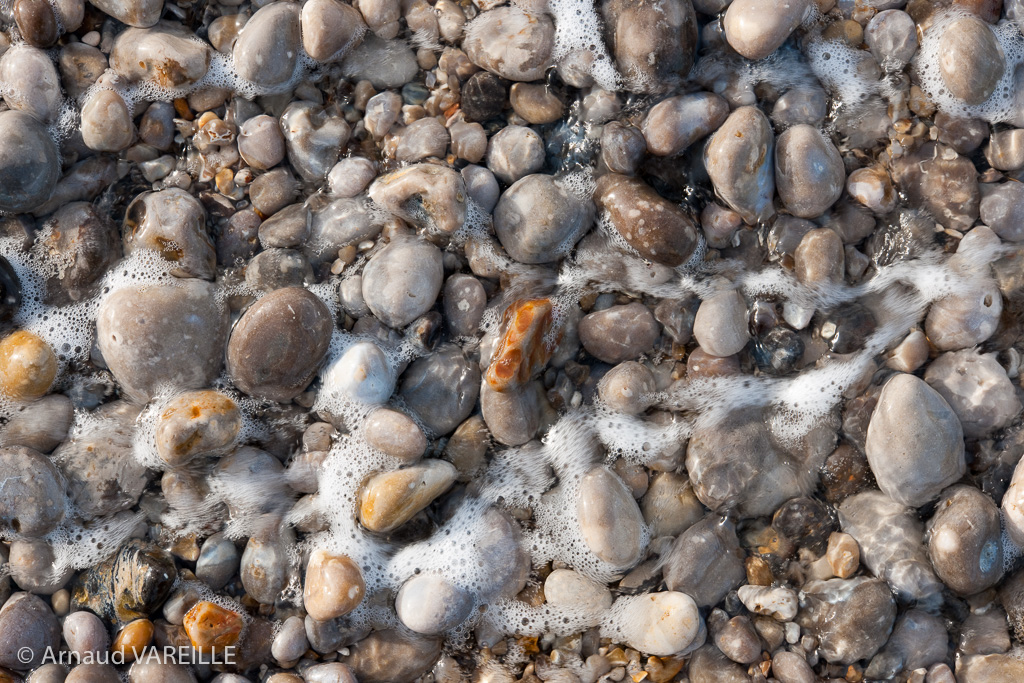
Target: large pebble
point(86, 241)
point(430, 604)
point(891, 35)
point(163, 336)
point(915, 444)
point(314, 136)
point(1002, 209)
point(28, 366)
point(390, 499)
point(84, 633)
point(41, 425)
point(333, 587)
point(401, 282)
point(971, 60)
point(515, 152)
point(261, 142)
point(720, 326)
point(565, 587)
point(964, 540)
point(139, 13)
point(392, 656)
point(619, 333)
point(965, 318)
point(918, 641)
point(610, 520)
point(264, 569)
point(851, 619)
point(361, 374)
point(131, 584)
point(29, 163)
point(421, 139)
point(437, 191)
point(32, 500)
point(27, 627)
point(662, 624)
point(278, 344)
point(653, 43)
point(167, 54)
point(705, 561)
point(395, 433)
point(31, 82)
point(106, 122)
point(820, 258)
point(511, 43)
point(756, 28)
point(172, 222)
point(674, 124)
point(538, 219)
point(977, 389)
point(658, 229)
point(267, 49)
point(740, 163)
point(37, 21)
point(330, 29)
point(196, 423)
point(670, 506)
point(809, 172)
point(512, 416)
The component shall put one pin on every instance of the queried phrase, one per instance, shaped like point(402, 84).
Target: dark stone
point(483, 96)
point(130, 585)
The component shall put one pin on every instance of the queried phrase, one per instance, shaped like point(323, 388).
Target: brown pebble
point(28, 366)
point(133, 639)
point(211, 627)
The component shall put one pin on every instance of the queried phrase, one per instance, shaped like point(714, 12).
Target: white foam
point(578, 27)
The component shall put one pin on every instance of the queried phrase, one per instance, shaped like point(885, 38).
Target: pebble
point(568, 588)
point(851, 618)
point(652, 43)
point(966, 318)
point(381, 16)
point(610, 520)
point(756, 28)
point(392, 656)
point(390, 499)
point(513, 416)
point(675, 123)
point(977, 389)
point(522, 350)
point(995, 667)
point(872, 188)
point(421, 139)
point(313, 135)
point(777, 602)
point(891, 35)
point(290, 642)
point(705, 561)
point(720, 326)
point(218, 561)
point(37, 22)
point(159, 669)
point(196, 423)
point(85, 634)
point(395, 434)
point(351, 176)
point(1002, 209)
point(537, 104)
point(843, 555)
point(331, 672)
point(658, 229)
point(819, 258)
point(267, 49)
point(739, 161)
point(538, 219)
point(511, 43)
point(29, 163)
point(333, 586)
point(401, 282)
point(131, 584)
point(287, 228)
point(261, 142)
point(801, 104)
point(27, 625)
point(515, 152)
point(32, 567)
point(87, 241)
point(264, 571)
point(464, 303)
point(809, 173)
point(914, 442)
point(361, 374)
point(32, 501)
point(891, 541)
point(670, 506)
point(31, 85)
point(139, 13)
point(441, 388)
point(28, 366)
point(133, 639)
point(971, 61)
point(918, 640)
point(628, 388)
point(483, 96)
point(1005, 149)
point(166, 54)
point(964, 540)
point(211, 628)
point(276, 269)
point(173, 223)
point(413, 191)
point(430, 604)
point(738, 640)
point(330, 29)
point(272, 191)
point(622, 147)
point(469, 142)
point(277, 345)
point(663, 624)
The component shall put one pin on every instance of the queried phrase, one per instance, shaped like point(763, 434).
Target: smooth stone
point(619, 333)
point(381, 16)
point(872, 188)
point(512, 416)
point(464, 303)
point(37, 22)
point(942, 182)
point(390, 499)
point(539, 219)
point(441, 389)
point(32, 501)
point(801, 104)
point(196, 423)
point(314, 137)
point(568, 588)
point(658, 229)
point(627, 388)
point(361, 374)
point(965, 319)
point(290, 642)
point(740, 162)
point(430, 604)
point(483, 96)
point(670, 506)
point(106, 123)
point(511, 43)
point(131, 584)
point(675, 123)
point(330, 672)
point(1002, 209)
point(267, 49)
point(410, 192)
point(276, 269)
point(971, 60)
point(789, 667)
point(401, 282)
point(738, 640)
point(41, 425)
point(1005, 150)
point(27, 626)
point(85, 633)
point(820, 258)
point(536, 103)
point(757, 28)
point(778, 602)
point(809, 173)
point(914, 442)
point(851, 619)
point(261, 142)
point(384, 63)
point(28, 366)
point(994, 667)
point(394, 433)
point(168, 55)
point(139, 13)
point(392, 656)
point(891, 35)
point(277, 345)
point(977, 389)
point(333, 586)
point(705, 561)
point(337, 225)
point(173, 223)
point(212, 628)
point(662, 624)
point(653, 43)
point(720, 326)
point(87, 242)
point(349, 177)
point(272, 191)
point(622, 147)
point(264, 569)
point(891, 541)
point(31, 84)
point(964, 540)
point(29, 162)
point(32, 567)
point(422, 139)
point(610, 520)
point(286, 229)
point(218, 561)
point(330, 29)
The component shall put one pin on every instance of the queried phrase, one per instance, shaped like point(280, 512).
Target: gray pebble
point(800, 104)
point(385, 63)
point(674, 124)
point(330, 29)
point(511, 43)
point(720, 326)
point(972, 61)
point(32, 567)
point(32, 501)
point(538, 219)
point(172, 222)
point(278, 268)
point(290, 642)
point(140, 13)
point(362, 374)
point(915, 444)
point(1005, 149)
point(287, 228)
point(426, 137)
point(267, 49)
point(84, 633)
point(964, 541)
point(218, 561)
point(756, 28)
point(809, 172)
point(619, 333)
point(264, 570)
point(610, 520)
point(167, 54)
point(430, 604)
point(26, 625)
point(705, 561)
point(565, 587)
point(977, 389)
point(746, 188)
point(738, 640)
point(851, 618)
point(670, 506)
point(331, 672)
point(29, 163)
point(628, 388)
point(512, 416)
point(382, 112)
point(401, 282)
point(515, 152)
point(41, 425)
point(351, 176)
point(392, 656)
point(537, 104)
point(93, 673)
point(395, 434)
point(106, 122)
point(31, 83)
point(652, 43)
point(80, 66)
point(441, 388)
point(314, 136)
point(261, 142)
point(426, 195)
point(789, 667)
point(1002, 209)
point(622, 147)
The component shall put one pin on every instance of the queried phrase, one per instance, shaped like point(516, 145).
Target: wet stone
point(429, 604)
point(525, 346)
point(538, 219)
point(395, 433)
point(32, 502)
point(809, 173)
point(674, 124)
point(267, 49)
point(652, 43)
point(977, 389)
point(212, 628)
point(964, 540)
point(131, 584)
point(441, 388)
point(401, 282)
point(756, 29)
point(172, 222)
point(511, 43)
point(264, 574)
point(29, 164)
point(515, 152)
point(851, 619)
point(610, 520)
point(196, 423)
point(971, 61)
point(619, 333)
point(705, 561)
point(390, 499)
point(333, 586)
point(721, 324)
point(739, 160)
point(330, 29)
point(261, 143)
point(27, 625)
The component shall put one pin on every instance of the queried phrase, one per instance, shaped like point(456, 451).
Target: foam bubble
point(578, 27)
